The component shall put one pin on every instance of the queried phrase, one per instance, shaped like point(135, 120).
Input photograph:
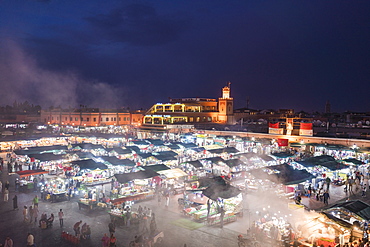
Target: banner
point(282, 142)
point(303, 132)
point(306, 126)
point(277, 131)
point(274, 125)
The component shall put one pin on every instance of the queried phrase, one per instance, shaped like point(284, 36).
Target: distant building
point(191, 111)
point(90, 117)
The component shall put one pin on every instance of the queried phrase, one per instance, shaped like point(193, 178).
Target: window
point(114, 119)
point(87, 119)
point(128, 118)
point(124, 118)
point(94, 119)
point(107, 119)
point(70, 119)
point(76, 119)
point(66, 118)
point(119, 119)
point(82, 119)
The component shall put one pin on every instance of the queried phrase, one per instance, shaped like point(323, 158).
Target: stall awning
point(173, 173)
point(27, 173)
point(155, 142)
point(282, 155)
point(127, 177)
point(358, 207)
point(195, 163)
point(156, 168)
point(354, 161)
point(215, 159)
point(38, 150)
point(284, 174)
point(317, 160)
point(266, 157)
point(234, 162)
point(118, 162)
point(133, 148)
point(216, 191)
point(119, 151)
point(87, 146)
point(188, 145)
point(141, 143)
point(46, 156)
point(164, 157)
point(89, 164)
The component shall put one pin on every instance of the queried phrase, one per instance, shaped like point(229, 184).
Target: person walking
point(8, 242)
point(326, 197)
point(76, 227)
point(15, 202)
point(105, 240)
point(30, 240)
point(25, 214)
point(30, 211)
point(61, 215)
point(364, 190)
point(35, 201)
point(112, 227)
point(112, 241)
point(6, 195)
point(35, 213)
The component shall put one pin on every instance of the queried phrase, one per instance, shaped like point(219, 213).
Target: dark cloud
point(138, 24)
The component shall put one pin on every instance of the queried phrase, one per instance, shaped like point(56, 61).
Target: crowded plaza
point(133, 189)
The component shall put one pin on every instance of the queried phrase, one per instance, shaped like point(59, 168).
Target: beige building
point(90, 117)
point(191, 111)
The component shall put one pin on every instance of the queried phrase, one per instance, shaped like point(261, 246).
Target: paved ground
point(11, 222)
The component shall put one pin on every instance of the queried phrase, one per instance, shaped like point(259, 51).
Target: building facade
point(91, 117)
point(191, 111)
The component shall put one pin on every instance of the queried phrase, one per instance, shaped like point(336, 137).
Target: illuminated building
point(191, 111)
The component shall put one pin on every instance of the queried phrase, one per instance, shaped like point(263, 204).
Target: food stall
point(28, 178)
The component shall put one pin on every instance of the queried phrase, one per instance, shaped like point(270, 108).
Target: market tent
point(127, 177)
point(295, 144)
point(127, 162)
point(89, 164)
point(282, 154)
point(118, 162)
point(27, 173)
point(188, 145)
point(357, 207)
point(134, 149)
point(156, 168)
point(317, 160)
point(198, 149)
point(143, 143)
point(169, 153)
point(83, 155)
point(195, 163)
point(155, 142)
point(266, 157)
point(163, 157)
point(247, 155)
point(353, 161)
point(206, 182)
point(234, 162)
point(225, 191)
point(334, 165)
point(47, 156)
point(173, 146)
point(38, 150)
point(214, 159)
point(119, 151)
point(284, 174)
point(145, 155)
point(173, 173)
point(87, 146)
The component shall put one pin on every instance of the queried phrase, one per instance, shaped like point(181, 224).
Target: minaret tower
point(226, 106)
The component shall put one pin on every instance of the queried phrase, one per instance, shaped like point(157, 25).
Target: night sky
point(279, 54)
